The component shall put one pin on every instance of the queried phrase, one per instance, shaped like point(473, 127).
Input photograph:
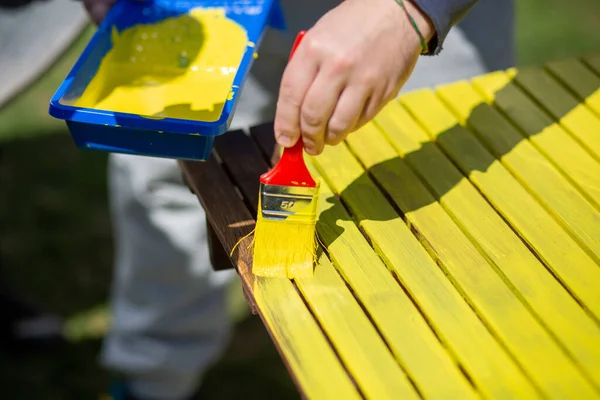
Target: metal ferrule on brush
point(283, 202)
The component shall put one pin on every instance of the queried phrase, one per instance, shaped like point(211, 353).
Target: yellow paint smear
point(181, 67)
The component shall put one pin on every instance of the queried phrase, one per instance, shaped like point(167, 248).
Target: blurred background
point(56, 246)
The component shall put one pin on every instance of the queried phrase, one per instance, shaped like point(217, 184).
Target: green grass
point(553, 29)
point(57, 248)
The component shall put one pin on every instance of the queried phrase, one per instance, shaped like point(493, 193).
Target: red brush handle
point(291, 169)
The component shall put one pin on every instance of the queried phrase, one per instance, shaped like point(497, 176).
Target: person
point(169, 316)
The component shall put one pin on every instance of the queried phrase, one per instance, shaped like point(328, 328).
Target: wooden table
point(461, 234)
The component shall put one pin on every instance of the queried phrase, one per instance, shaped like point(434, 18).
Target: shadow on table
point(395, 177)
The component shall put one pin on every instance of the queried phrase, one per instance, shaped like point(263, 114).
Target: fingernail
point(285, 141)
point(311, 151)
point(308, 145)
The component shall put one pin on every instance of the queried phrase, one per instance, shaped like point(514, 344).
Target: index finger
point(297, 78)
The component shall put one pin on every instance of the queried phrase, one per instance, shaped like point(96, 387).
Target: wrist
point(419, 22)
point(423, 22)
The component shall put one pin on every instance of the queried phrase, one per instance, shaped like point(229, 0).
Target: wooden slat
point(579, 79)
point(593, 61)
point(348, 328)
point(531, 345)
point(575, 117)
point(218, 256)
point(226, 211)
point(565, 153)
point(244, 162)
point(551, 189)
point(528, 165)
point(235, 158)
point(358, 343)
point(398, 320)
point(310, 357)
point(265, 138)
point(538, 228)
point(293, 328)
point(491, 369)
point(577, 332)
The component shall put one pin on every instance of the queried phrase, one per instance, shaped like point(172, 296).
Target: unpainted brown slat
point(225, 211)
point(263, 135)
point(245, 163)
point(218, 256)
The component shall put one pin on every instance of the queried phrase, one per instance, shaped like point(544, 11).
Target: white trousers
point(169, 315)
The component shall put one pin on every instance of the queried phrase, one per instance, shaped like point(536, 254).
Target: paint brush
point(284, 238)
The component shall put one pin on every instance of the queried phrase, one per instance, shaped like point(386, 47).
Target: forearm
point(443, 14)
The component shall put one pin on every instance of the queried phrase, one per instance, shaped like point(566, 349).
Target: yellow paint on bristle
point(286, 248)
point(181, 67)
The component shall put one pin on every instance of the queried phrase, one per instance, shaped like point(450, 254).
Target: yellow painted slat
point(551, 188)
point(358, 343)
point(529, 166)
point(494, 373)
point(404, 328)
point(315, 365)
point(533, 223)
point(576, 331)
point(531, 345)
point(574, 116)
point(593, 61)
point(579, 79)
point(548, 137)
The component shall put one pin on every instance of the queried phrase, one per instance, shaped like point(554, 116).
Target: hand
point(348, 66)
point(97, 9)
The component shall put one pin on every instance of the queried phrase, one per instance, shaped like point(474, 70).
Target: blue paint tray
point(117, 132)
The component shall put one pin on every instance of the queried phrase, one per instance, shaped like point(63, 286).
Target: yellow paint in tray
point(181, 67)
